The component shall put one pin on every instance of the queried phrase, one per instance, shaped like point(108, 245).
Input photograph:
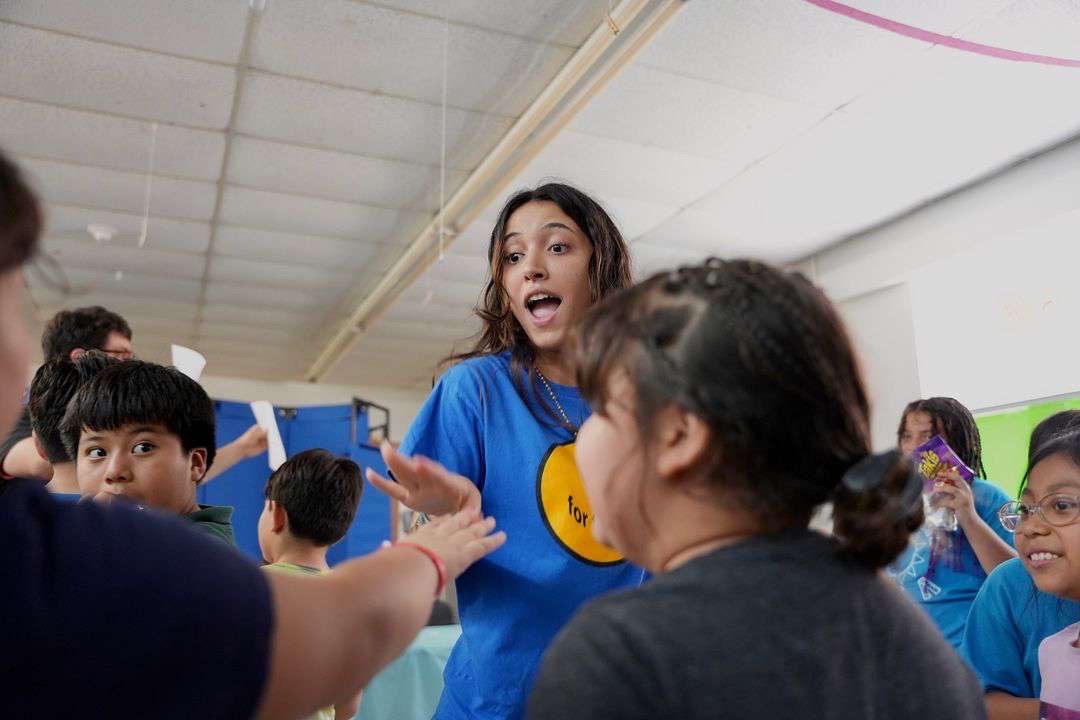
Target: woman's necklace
point(558, 405)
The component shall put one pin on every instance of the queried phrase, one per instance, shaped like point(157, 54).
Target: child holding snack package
point(962, 539)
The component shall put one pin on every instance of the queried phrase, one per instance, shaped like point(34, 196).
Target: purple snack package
point(935, 456)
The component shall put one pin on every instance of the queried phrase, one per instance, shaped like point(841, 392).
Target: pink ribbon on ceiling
point(937, 38)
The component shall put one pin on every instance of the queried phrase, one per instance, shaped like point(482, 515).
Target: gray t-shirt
point(767, 628)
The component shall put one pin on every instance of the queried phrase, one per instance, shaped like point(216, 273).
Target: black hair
point(319, 492)
point(126, 393)
point(955, 424)
point(51, 391)
point(609, 270)
point(761, 356)
point(85, 328)
point(1066, 441)
point(1059, 423)
point(20, 217)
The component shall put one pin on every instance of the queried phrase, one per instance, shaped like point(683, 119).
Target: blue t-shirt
point(513, 602)
point(1008, 620)
point(941, 572)
point(112, 612)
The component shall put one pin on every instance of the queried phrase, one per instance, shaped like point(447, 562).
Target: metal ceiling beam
point(612, 45)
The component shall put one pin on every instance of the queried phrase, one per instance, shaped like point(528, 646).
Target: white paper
point(188, 361)
point(264, 416)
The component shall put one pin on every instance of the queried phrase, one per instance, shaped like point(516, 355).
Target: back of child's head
point(54, 385)
point(319, 492)
point(136, 392)
point(761, 356)
point(85, 328)
point(1063, 423)
point(955, 424)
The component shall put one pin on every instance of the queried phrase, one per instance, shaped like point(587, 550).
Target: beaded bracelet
point(440, 566)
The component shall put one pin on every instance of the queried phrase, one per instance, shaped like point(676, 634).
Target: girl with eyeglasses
point(1012, 614)
point(728, 406)
point(1046, 521)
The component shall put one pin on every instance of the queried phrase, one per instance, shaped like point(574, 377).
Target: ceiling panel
point(566, 22)
point(260, 316)
point(659, 109)
point(164, 234)
point(314, 305)
point(65, 184)
point(650, 258)
point(90, 138)
point(207, 29)
point(278, 275)
point(336, 176)
point(332, 253)
point(294, 214)
point(81, 253)
point(789, 50)
point(365, 123)
point(1032, 26)
point(614, 168)
point(251, 333)
point(37, 65)
point(389, 52)
point(132, 283)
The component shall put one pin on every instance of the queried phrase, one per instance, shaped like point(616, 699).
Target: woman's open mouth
point(543, 307)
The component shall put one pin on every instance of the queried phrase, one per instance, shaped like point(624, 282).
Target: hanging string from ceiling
point(145, 234)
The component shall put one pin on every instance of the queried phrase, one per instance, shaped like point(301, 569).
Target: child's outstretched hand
point(424, 485)
point(459, 539)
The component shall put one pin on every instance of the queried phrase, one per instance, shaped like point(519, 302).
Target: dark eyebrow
point(548, 226)
point(1063, 485)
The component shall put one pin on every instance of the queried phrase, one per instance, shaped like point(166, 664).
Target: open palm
point(424, 485)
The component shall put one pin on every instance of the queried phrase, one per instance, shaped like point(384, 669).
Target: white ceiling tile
point(94, 139)
point(1031, 26)
point(443, 292)
point(65, 184)
point(295, 276)
point(38, 65)
point(312, 304)
point(164, 234)
point(207, 29)
point(656, 108)
point(364, 123)
point(791, 50)
point(136, 309)
point(401, 54)
point(82, 253)
point(284, 248)
point(336, 176)
point(227, 312)
point(692, 235)
point(566, 22)
point(454, 315)
point(213, 330)
point(463, 269)
point(427, 331)
point(650, 258)
point(302, 215)
point(613, 168)
point(152, 286)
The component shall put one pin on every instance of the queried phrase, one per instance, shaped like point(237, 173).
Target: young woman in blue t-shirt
point(499, 429)
point(943, 570)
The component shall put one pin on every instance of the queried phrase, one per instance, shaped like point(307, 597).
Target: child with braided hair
point(727, 406)
point(943, 570)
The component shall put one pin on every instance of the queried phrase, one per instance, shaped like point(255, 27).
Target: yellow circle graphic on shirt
point(565, 509)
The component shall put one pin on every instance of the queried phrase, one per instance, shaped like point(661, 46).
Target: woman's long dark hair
point(609, 270)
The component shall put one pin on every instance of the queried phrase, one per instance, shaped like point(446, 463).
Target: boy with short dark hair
point(51, 390)
point(311, 501)
point(145, 433)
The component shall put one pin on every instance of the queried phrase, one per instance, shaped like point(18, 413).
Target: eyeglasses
point(1057, 510)
point(120, 354)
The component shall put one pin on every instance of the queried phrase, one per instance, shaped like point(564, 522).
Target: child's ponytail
point(876, 507)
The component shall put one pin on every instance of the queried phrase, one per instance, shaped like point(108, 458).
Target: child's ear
point(278, 518)
point(682, 440)
point(197, 465)
point(38, 447)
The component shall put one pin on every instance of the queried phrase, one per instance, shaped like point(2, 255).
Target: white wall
point(403, 404)
point(880, 326)
point(992, 276)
